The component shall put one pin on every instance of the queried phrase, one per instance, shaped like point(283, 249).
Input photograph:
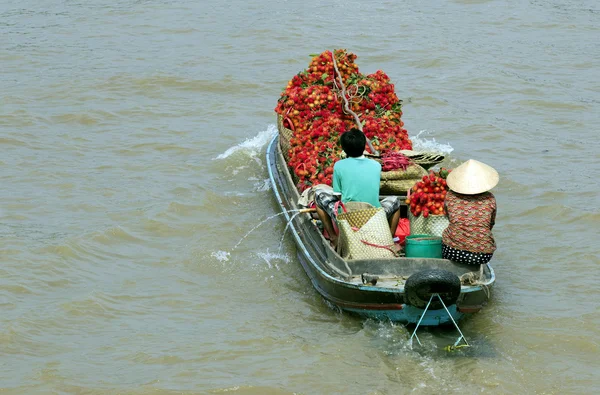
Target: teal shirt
point(357, 179)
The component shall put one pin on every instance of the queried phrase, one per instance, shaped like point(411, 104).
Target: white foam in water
point(222, 256)
point(251, 147)
point(429, 145)
point(263, 185)
point(269, 257)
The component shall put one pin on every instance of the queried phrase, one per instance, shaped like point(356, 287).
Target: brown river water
point(132, 137)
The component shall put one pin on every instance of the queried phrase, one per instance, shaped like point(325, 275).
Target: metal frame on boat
point(340, 281)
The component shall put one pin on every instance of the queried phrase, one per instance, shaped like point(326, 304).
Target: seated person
point(357, 179)
point(471, 210)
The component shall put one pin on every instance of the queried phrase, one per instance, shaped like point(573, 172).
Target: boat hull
point(364, 303)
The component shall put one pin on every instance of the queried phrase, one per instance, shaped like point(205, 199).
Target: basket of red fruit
point(427, 214)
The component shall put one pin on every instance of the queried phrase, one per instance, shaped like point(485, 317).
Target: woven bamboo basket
point(398, 182)
point(433, 225)
point(285, 135)
point(424, 159)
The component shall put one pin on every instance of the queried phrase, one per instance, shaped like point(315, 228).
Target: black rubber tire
point(420, 286)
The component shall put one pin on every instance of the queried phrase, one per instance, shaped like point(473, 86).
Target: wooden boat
point(378, 289)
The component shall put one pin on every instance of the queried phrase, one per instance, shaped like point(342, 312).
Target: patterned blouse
point(471, 220)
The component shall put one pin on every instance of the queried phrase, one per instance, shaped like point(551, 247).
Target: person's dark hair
point(353, 142)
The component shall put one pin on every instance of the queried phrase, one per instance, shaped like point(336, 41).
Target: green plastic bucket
point(423, 246)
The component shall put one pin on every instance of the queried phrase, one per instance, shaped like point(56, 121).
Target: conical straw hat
point(472, 177)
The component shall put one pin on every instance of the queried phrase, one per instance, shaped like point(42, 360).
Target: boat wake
point(424, 144)
point(251, 147)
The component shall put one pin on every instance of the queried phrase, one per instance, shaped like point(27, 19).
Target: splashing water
point(221, 256)
point(285, 230)
point(263, 186)
point(253, 146)
point(262, 222)
point(429, 145)
point(268, 257)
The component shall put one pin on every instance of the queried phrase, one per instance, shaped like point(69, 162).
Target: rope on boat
point(346, 105)
point(461, 337)
point(347, 267)
point(470, 278)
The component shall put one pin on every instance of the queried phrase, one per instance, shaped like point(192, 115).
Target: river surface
point(132, 137)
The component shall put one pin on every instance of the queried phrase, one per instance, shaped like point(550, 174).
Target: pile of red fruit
point(312, 107)
point(427, 196)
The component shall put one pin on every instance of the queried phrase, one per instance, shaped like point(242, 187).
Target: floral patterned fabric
point(471, 220)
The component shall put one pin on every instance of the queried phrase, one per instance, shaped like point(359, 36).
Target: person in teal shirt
point(355, 179)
